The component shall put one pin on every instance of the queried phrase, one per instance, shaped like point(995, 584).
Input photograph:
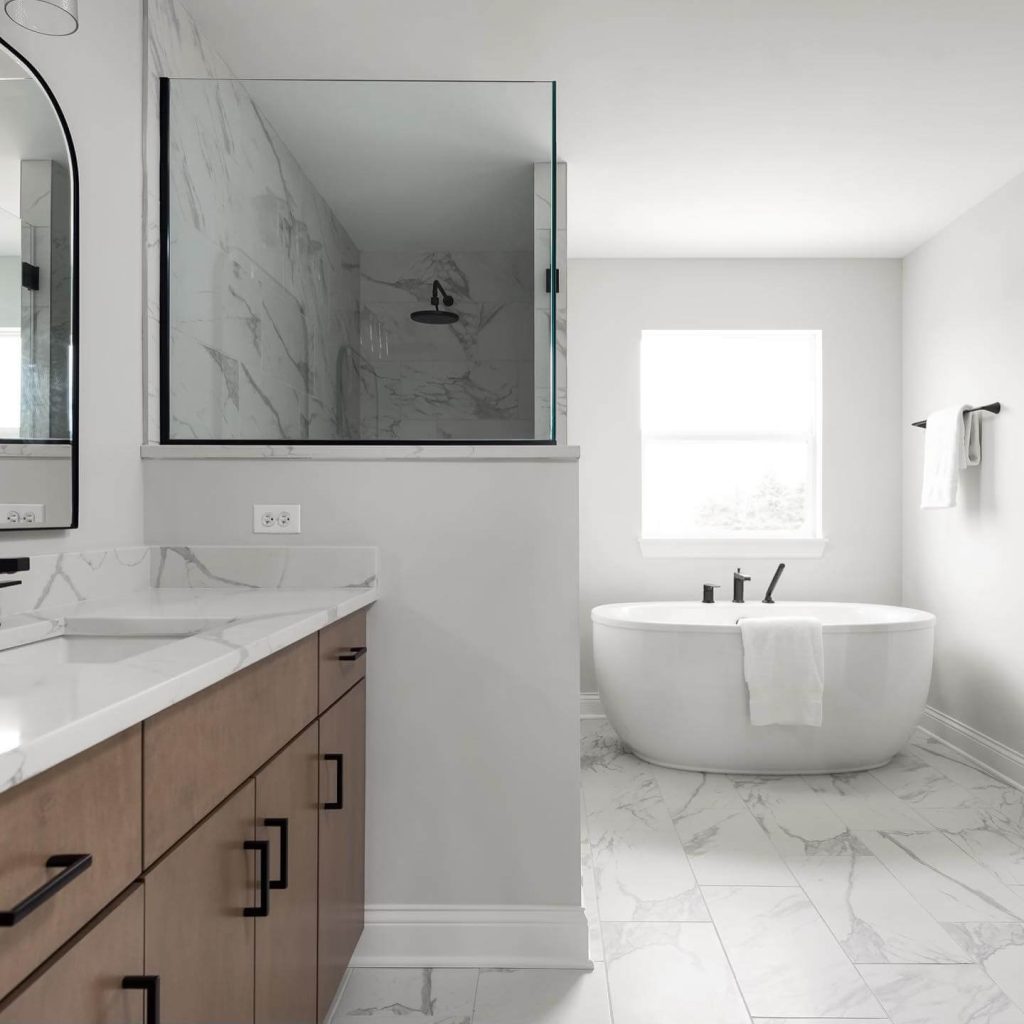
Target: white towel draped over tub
point(784, 665)
point(952, 441)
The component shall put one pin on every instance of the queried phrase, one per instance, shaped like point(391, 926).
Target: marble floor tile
point(940, 994)
point(796, 819)
point(874, 918)
point(999, 948)
point(948, 883)
point(987, 835)
point(786, 960)
point(641, 871)
point(670, 974)
point(860, 801)
point(543, 997)
point(429, 996)
point(724, 843)
point(821, 1020)
point(590, 893)
point(920, 784)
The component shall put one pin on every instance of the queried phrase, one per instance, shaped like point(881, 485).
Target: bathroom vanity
point(207, 860)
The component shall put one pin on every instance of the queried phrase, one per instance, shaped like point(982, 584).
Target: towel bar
point(993, 407)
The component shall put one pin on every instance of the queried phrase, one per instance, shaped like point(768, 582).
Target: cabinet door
point(83, 982)
point(286, 815)
point(342, 837)
point(198, 939)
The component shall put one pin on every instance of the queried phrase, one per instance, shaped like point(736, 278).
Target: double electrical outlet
point(277, 519)
point(25, 516)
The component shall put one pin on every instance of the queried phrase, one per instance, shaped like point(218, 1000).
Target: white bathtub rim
point(603, 615)
point(765, 772)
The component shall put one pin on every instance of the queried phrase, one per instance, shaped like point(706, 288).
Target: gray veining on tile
point(948, 994)
point(999, 948)
point(542, 997)
point(786, 960)
point(670, 974)
point(429, 996)
point(860, 801)
point(987, 835)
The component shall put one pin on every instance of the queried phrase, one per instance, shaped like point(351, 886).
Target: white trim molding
point(365, 453)
point(398, 935)
point(994, 757)
point(727, 547)
point(590, 706)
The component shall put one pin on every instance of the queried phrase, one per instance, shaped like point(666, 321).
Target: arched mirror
point(38, 305)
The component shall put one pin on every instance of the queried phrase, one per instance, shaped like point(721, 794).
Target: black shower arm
point(437, 293)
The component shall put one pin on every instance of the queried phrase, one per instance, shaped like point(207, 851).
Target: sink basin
point(82, 650)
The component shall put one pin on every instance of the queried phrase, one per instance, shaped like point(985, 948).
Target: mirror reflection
point(37, 356)
point(357, 261)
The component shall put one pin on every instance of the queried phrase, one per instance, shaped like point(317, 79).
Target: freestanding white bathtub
point(671, 680)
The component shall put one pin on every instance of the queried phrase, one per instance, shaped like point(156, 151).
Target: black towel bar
point(994, 407)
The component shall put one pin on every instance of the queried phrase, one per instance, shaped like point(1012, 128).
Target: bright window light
point(731, 429)
point(10, 382)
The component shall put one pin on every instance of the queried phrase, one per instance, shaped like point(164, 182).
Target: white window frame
point(810, 543)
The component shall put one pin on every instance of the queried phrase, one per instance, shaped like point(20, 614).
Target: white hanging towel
point(784, 665)
point(952, 441)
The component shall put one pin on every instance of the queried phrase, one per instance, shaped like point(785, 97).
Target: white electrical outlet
point(24, 517)
point(277, 519)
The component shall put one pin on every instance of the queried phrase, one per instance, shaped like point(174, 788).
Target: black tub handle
point(71, 866)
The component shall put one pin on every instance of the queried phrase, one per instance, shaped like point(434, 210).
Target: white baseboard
point(590, 705)
point(473, 936)
point(995, 757)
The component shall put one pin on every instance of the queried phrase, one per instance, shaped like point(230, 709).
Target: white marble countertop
point(50, 714)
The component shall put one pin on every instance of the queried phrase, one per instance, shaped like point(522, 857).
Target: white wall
point(964, 342)
point(96, 76)
point(855, 303)
point(473, 753)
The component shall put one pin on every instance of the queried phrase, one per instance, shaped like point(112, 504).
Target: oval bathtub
point(671, 680)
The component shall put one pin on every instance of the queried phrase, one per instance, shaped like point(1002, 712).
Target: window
point(731, 427)
point(10, 382)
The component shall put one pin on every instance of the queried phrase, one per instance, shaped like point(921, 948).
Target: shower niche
point(360, 262)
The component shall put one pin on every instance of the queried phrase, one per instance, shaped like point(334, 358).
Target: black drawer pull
point(281, 882)
point(71, 865)
point(262, 847)
point(150, 984)
point(337, 804)
point(352, 654)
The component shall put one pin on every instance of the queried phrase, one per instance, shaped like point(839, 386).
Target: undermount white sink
point(83, 650)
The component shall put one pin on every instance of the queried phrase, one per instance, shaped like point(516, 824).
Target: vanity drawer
point(342, 657)
point(91, 805)
point(199, 751)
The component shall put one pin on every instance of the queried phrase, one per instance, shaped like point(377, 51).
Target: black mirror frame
point(75, 334)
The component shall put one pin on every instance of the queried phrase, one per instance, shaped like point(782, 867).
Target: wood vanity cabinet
point(240, 868)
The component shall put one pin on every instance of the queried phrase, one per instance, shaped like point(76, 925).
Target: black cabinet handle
point(262, 847)
point(352, 654)
point(339, 803)
point(150, 984)
point(281, 882)
point(71, 865)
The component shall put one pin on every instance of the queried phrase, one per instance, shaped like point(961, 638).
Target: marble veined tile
point(821, 1020)
point(795, 817)
point(438, 996)
point(948, 883)
point(723, 842)
point(542, 997)
point(987, 835)
point(874, 918)
point(999, 948)
point(921, 784)
point(862, 802)
point(940, 994)
point(670, 974)
point(786, 961)
point(589, 889)
point(641, 871)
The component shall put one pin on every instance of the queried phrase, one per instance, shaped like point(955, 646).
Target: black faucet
point(709, 593)
point(768, 599)
point(738, 579)
point(9, 566)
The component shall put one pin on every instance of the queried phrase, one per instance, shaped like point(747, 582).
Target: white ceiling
point(708, 127)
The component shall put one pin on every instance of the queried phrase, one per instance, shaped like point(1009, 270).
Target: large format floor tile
point(670, 974)
point(999, 948)
point(786, 960)
point(947, 882)
point(874, 918)
point(438, 996)
point(987, 835)
point(934, 994)
point(542, 997)
point(860, 801)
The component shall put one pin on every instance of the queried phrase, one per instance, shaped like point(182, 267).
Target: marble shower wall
point(470, 380)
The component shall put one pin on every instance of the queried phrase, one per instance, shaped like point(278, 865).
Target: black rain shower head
point(436, 315)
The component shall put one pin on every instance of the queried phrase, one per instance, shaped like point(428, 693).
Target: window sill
point(724, 547)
